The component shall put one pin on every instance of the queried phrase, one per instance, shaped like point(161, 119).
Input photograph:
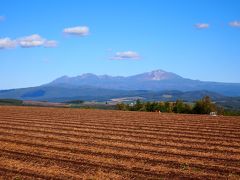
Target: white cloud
point(126, 55)
point(6, 43)
point(2, 18)
point(78, 30)
point(31, 41)
point(235, 23)
point(35, 40)
point(202, 26)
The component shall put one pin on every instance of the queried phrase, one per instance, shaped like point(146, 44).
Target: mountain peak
point(158, 71)
point(87, 75)
point(156, 75)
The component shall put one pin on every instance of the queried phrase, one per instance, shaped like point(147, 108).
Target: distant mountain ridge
point(154, 75)
point(157, 80)
point(151, 86)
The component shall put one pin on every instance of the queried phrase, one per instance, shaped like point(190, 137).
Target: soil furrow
point(136, 128)
point(177, 139)
point(115, 153)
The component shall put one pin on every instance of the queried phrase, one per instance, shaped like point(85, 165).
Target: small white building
point(213, 114)
point(131, 104)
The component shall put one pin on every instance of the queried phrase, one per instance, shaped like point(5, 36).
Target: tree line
point(203, 106)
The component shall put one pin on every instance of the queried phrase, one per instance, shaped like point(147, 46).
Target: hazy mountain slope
point(60, 94)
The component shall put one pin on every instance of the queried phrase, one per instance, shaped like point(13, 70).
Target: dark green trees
point(204, 106)
point(180, 107)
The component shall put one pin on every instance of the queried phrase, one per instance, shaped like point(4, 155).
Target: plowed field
point(64, 143)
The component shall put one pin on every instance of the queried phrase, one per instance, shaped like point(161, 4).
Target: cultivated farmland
point(64, 143)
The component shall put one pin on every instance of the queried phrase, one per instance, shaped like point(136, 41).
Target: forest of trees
point(203, 106)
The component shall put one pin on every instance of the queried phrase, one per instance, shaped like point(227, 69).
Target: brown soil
point(63, 143)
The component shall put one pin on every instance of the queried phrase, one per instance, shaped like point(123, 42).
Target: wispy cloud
point(2, 18)
point(131, 55)
point(6, 43)
point(235, 24)
point(33, 40)
point(51, 43)
point(78, 30)
point(202, 26)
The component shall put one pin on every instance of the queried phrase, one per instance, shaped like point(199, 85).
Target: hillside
point(61, 94)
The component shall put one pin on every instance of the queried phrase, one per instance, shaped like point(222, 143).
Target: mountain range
point(154, 85)
point(157, 80)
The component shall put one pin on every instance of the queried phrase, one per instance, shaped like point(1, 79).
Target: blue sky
point(43, 40)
